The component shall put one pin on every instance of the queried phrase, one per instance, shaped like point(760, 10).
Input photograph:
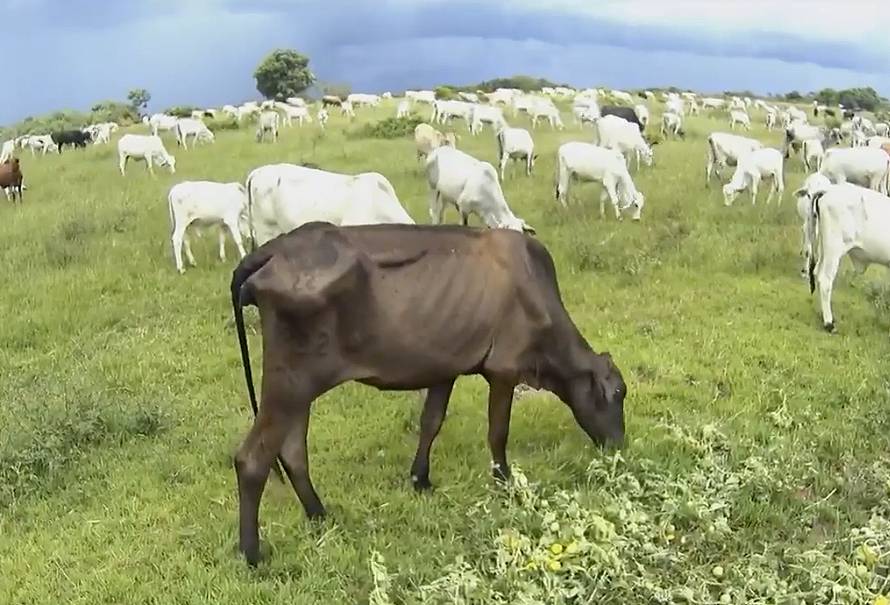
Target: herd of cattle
point(850, 158)
point(336, 256)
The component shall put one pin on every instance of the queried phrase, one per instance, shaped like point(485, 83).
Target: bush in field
point(445, 93)
point(222, 123)
point(390, 128)
point(182, 111)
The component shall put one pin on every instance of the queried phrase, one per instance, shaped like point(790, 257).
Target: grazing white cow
point(230, 110)
point(502, 96)
point(42, 143)
point(846, 219)
point(625, 137)
point(281, 197)
point(347, 109)
point(607, 166)
point(487, 114)
point(291, 113)
point(798, 132)
point(427, 138)
point(141, 147)
point(189, 127)
point(694, 108)
point(813, 154)
point(770, 120)
point(404, 109)
point(750, 169)
point(865, 166)
point(739, 117)
point(322, 116)
point(725, 149)
point(359, 98)
point(472, 186)
point(674, 105)
point(204, 204)
point(642, 114)
point(671, 123)
point(712, 103)
point(445, 111)
point(268, 122)
point(245, 111)
point(161, 121)
point(421, 96)
point(797, 115)
point(736, 104)
point(515, 144)
point(548, 111)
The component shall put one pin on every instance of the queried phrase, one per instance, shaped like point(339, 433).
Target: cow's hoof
point(829, 327)
point(421, 484)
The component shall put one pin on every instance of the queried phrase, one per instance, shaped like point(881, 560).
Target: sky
point(69, 54)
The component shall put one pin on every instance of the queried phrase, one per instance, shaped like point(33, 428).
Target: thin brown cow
point(406, 307)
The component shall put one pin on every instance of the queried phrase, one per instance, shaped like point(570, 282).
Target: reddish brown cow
point(406, 307)
point(11, 178)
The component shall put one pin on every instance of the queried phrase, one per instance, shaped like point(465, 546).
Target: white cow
point(291, 113)
point(358, 98)
point(421, 96)
point(472, 186)
point(548, 111)
point(607, 166)
point(487, 114)
point(739, 117)
point(161, 121)
point(404, 109)
point(625, 137)
point(7, 150)
point(347, 109)
point(296, 101)
point(797, 115)
point(642, 114)
point(189, 127)
point(281, 197)
point(621, 96)
point(515, 144)
point(671, 123)
point(470, 97)
point(865, 166)
point(882, 129)
point(674, 105)
point(770, 120)
point(813, 154)
point(245, 111)
point(736, 104)
point(42, 143)
point(322, 116)
point(204, 204)
point(846, 219)
point(101, 133)
point(445, 111)
point(712, 103)
point(751, 168)
point(725, 149)
point(268, 122)
point(140, 147)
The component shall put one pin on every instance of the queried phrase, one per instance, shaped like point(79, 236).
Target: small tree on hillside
point(283, 73)
point(139, 98)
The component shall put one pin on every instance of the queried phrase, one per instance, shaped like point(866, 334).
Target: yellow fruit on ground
point(554, 565)
point(556, 548)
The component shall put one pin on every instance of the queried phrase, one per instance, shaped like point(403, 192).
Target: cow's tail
point(250, 223)
point(814, 234)
point(242, 297)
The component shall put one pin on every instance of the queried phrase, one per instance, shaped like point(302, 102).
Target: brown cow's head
point(597, 401)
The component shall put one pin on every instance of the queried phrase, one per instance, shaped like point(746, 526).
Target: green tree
point(283, 73)
point(139, 98)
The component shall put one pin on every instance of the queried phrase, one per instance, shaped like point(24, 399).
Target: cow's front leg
point(431, 419)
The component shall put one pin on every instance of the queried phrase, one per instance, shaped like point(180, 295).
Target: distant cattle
point(147, 148)
point(626, 113)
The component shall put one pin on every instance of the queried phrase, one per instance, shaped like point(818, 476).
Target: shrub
point(390, 128)
point(445, 93)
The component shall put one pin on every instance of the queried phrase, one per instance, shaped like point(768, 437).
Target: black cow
point(626, 113)
point(76, 138)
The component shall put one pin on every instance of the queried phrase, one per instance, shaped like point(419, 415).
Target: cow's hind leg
point(252, 464)
point(431, 419)
point(500, 404)
point(295, 456)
